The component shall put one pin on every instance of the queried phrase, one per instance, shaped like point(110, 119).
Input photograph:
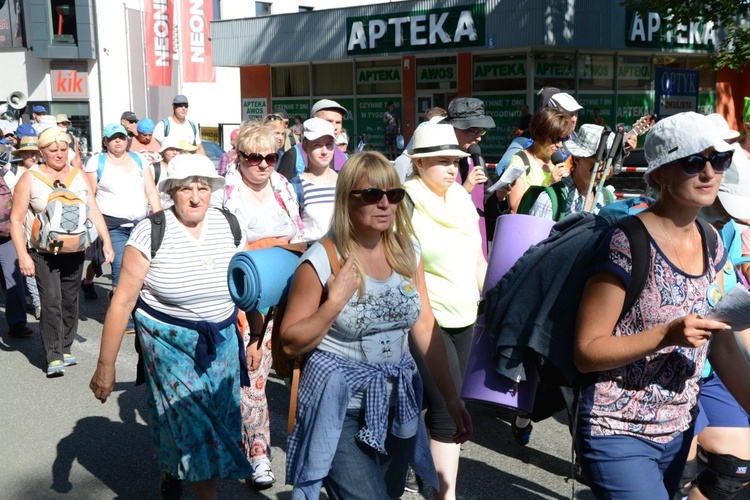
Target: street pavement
point(59, 442)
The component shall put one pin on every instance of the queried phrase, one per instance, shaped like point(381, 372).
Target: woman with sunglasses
point(316, 185)
point(446, 224)
point(358, 422)
point(637, 408)
point(266, 206)
point(549, 127)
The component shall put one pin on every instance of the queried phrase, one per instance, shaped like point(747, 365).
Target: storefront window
point(706, 84)
point(596, 80)
point(331, 79)
point(436, 73)
point(379, 77)
point(290, 81)
point(554, 70)
point(495, 73)
point(633, 73)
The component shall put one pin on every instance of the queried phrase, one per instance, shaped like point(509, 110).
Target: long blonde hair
point(397, 242)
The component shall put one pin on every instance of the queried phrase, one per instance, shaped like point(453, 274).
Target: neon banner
point(159, 19)
point(196, 15)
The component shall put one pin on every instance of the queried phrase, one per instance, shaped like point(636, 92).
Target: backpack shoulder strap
point(640, 251)
point(157, 171)
point(708, 231)
point(524, 157)
point(71, 176)
point(333, 256)
point(556, 193)
point(42, 178)
point(137, 159)
point(158, 227)
point(234, 225)
point(195, 132)
point(165, 121)
point(100, 167)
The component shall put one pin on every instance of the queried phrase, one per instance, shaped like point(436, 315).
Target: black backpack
point(158, 226)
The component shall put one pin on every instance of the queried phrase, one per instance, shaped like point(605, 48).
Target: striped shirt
point(316, 207)
point(187, 278)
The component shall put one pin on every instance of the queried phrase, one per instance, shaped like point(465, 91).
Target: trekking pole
point(600, 150)
point(613, 152)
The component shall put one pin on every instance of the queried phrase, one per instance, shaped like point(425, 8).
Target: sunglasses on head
point(374, 195)
point(694, 164)
point(255, 159)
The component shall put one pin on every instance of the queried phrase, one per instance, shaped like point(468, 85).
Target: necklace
point(692, 239)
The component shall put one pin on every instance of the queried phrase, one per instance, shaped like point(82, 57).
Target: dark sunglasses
point(555, 140)
point(475, 131)
point(183, 105)
point(694, 164)
point(374, 195)
point(255, 159)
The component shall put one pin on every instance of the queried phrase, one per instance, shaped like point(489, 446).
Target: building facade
point(420, 54)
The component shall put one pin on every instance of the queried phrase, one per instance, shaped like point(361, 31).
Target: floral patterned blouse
point(655, 397)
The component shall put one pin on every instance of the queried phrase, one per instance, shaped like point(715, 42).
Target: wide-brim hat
point(468, 112)
point(28, 143)
point(186, 166)
point(587, 141)
point(678, 136)
point(435, 139)
point(734, 190)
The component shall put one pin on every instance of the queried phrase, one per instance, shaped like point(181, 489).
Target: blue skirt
point(194, 414)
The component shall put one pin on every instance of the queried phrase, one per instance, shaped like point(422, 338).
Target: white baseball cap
point(315, 128)
point(678, 136)
point(565, 101)
point(734, 190)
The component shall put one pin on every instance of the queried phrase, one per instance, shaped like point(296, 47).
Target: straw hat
point(28, 143)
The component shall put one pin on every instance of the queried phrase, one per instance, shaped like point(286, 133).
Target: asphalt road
point(58, 442)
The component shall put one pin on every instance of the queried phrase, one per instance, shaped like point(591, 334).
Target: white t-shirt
point(121, 191)
point(180, 131)
point(187, 278)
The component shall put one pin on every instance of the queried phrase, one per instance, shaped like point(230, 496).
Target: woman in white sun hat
point(446, 225)
point(637, 413)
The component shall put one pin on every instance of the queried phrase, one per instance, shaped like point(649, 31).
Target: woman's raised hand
point(342, 286)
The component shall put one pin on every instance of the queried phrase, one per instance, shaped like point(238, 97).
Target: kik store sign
point(417, 30)
point(648, 29)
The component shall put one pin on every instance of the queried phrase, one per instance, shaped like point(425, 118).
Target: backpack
point(284, 366)
point(103, 163)
point(557, 193)
point(165, 121)
point(63, 226)
point(530, 315)
point(6, 203)
point(158, 227)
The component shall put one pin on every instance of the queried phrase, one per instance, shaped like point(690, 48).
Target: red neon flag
point(195, 17)
point(158, 24)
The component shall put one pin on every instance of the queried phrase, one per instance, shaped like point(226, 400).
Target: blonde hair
point(397, 242)
point(255, 136)
point(52, 135)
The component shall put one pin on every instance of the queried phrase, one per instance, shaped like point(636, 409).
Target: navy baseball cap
point(39, 109)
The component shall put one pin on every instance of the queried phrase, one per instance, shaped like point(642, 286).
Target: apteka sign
point(417, 30)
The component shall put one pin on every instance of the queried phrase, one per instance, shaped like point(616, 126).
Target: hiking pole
point(613, 152)
point(600, 150)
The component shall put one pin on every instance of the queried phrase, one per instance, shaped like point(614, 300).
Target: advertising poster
point(505, 109)
point(370, 111)
point(159, 20)
point(196, 15)
point(604, 102)
point(254, 109)
point(293, 108)
point(632, 107)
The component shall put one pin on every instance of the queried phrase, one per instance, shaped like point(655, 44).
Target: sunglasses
point(555, 140)
point(273, 118)
point(694, 164)
point(255, 159)
point(180, 105)
point(374, 195)
point(475, 131)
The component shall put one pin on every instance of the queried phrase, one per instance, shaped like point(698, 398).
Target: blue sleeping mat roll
point(260, 278)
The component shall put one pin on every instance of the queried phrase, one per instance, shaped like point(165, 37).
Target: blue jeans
point(119, 237)
point(360, 472)
point(631, 468)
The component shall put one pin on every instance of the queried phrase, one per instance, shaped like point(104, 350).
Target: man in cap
point(178, 124)
point(37, 112)
point(294, 161)
point(74, 149)
point(289, 139)
point(144, 142)
point(466, 114)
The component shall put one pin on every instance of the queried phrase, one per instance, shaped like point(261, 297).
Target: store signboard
point(69, 81)
point(548, 68)
point(676, 91)
point(445, 73)
point(504, 70)
point(294, 107)
point(648, 29)
point(370, 111)
point(505, 109)
point(417, 30)
point(634, 71)
point(378, 74)
point(604, 102)
point(707, 103)
point(596, 70)
point(254, 108)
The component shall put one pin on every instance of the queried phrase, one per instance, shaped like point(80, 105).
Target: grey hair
point(172, 185)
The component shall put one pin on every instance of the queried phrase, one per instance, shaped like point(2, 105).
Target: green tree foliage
point(729, 15)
